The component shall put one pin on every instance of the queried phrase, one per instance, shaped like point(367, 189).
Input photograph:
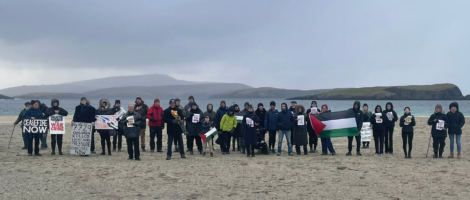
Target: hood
point(54, 100)
point(210, 109)
point(378, 106)
point(313, 103)
point(197, 110)
point(231, 109)
point(391, 106)
point(454, 104)
point(358, 103)
point(299, 106)
point(108, 105)
point(154, 101)
point(287, 107)
point(140, 99)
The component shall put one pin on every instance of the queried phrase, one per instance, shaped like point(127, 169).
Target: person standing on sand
point(194, 128)
point(56, 110)
point(367, 116)
point(86, 114)
point(179, 106)
point(228, 124)
point(142, 109)
point(407, 121)
point(326, 142)
point(210, 112)
point(27, 105)
point(237, 134)
point(132, 131)
point(240, 129)
point(389, 117)
point(300, 131)
point(378, 130)
point(439, 123)
point(33, 113)
point(218, 118)
point(119, 112)
point(173, 127)
point(43, 138)
point(104, 108)
point(156, 125)
point(285, 122)
point(271, 124)
point(312, 136)
point(359, 119)
point(456, 123)
point(250, 133)
point(261, 114)
point(206, 127)
point(293, 104)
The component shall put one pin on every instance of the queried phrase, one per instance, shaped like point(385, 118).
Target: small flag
point(209, 135)
point(335, 124)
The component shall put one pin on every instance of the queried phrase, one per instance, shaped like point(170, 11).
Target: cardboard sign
point(106, 122)
point(250, 122)
point(196, 118)
point(57, 124)
point(38, 126)
point(440, 125)
point(301, 120)
point(81, 139)
point(366, 133)
point(378, 118)
point(130, 121)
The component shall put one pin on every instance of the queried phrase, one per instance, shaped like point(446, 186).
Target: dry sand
point(234, 176)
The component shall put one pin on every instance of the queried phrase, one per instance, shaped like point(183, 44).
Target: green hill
point(266, 92)
point(412, 92)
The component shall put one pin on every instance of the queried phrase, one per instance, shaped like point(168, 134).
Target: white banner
point(366, 134)
point(81, 138)
point(57, 124)
point(301, 120)
point(38, 126)
point(106, 122)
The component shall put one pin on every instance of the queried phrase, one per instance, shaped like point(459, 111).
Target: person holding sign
point(56, 138)
point(359, 119)
point(390, 117)
point(27, 105)
point(194, 121)
point(300, 130)
point(33, 113)
point(456, 122)
point(85, 113)
point(407, 121)
point(439, 124)
point(250, 133)
point(312, 135)
point(378, 130)
point(131, 122)
point(367, 116)
point(105, 109)
point(228, 124)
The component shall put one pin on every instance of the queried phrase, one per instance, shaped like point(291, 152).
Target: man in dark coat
point(359, 119)
point(33, 113)
point(142, 109)
point(131, 122)
point(86, 113)
point(261, 114)
point(456, 123)
point(285, 122)
point(56, 138)
point(271, 124)
point(27, 105)
point(173, 117)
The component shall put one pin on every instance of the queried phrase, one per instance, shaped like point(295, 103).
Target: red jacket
point(155, 113)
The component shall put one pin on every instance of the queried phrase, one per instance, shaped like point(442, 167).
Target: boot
point(297, 149)
point(359, 153)
point(363, 145)
point(53, 151)
point(103, 153)
point(406, 155)
point(349, 154)
point(183, 156)
point(168, 158)
point(305, 150)
point(459, 156)
point(143, 149)
point(451, 155)
point(204, 154)
point(191, 152)
point(409, 154)
point(367, 145)
point(311, 149)
point(212, 155)
point(60, 152)
point(248, 152)
point(440, 154)
point(177, 149)
point(109, 150)
point(435, 154)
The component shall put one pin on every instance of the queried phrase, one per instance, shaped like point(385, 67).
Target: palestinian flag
point(334, 124)
point(209, 135)
point(239, 119)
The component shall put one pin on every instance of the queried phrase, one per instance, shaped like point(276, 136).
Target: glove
point(435, 120)
point(232, 130)
point(174, 121)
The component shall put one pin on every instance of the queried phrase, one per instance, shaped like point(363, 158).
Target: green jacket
point(228, 123)
point(20, 118)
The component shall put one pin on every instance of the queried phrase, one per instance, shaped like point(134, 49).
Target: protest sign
point(106, 122)
point(301, 120)
point(38, 126)
point(249, 122)
point(378, 118)
point(81, 138)
point(440, 125)
point(196, 118)
point(130, 121)
point(57, 124)
point(366, 135)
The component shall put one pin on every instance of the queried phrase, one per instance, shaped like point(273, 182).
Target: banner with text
point(81, 138)
point(38, 126)
point(106, 122)
point(57, 124)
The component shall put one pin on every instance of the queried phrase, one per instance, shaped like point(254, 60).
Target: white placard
point(57, 124)
point(130, 121)
point(408, 120)
point(378, 118)
point(196, 118)
point(250, 122)
point(389, 116)
point(301, 120)
point(314, 110)
point(440, 125)
point(81, 138)
point(38, 126)
point(366, 132)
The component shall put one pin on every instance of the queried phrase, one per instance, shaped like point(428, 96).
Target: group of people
point(240, 129)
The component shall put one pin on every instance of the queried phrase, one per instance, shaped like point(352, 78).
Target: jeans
point(43, 139)
point(36, 138)
point(118, 139)
point(133, 147)
point(379, 141)
point(326, 145)
point(457, 138)
point(389, 139)
point(56, 138)
point(156, 131)
point(272, 139)
point(281, 137)
point(170, 142)
point(25, 139)
point(358, 143)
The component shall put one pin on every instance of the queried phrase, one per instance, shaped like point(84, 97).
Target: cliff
point(267, 92)
point(412, 92)
point(4, 97)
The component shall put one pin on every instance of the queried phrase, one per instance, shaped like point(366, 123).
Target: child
point(367, 115)
point(407, 121)
point(439, 124)
point(378, 130)
point(300, 131)
point(206, 126)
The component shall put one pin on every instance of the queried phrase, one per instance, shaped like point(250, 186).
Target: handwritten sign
point(389, 116)
point(313, 110)
point(81, 139)
point(408, 120)
point(106, 122)
point(366, 132)
point(57, 124)
point(38, 126)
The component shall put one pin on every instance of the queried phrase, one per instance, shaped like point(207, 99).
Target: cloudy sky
point(290, 44)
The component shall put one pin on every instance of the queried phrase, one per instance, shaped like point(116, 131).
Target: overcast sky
point(288, 44)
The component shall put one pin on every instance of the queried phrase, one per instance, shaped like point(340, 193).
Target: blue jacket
point(285, 120)
point(36, 113)
point(218, 116)
point(270, 121)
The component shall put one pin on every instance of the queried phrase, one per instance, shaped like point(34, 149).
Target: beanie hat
point(294, 102)
point(27, 103)
point(326, 105)
point(191, 97)
point(406, 108)
point(138, 98)
point(438, 106)
point(260, 104)
point(246, 104)
point(177, 99)
point(156, 100)
point(223, 101)
point(83, 98)
point(34, 101)
point(365, 105)
point(314, 102)
point(117, 101)
point(272, 103)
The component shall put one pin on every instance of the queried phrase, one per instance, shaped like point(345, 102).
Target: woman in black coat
point(250, 132)
point(439, 124)
point(300, 131)
point(194, 128)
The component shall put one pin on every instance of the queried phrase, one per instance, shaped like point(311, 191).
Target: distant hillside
point(413, 92)
point(4, 97)
point(49, 95)
point(266, 92)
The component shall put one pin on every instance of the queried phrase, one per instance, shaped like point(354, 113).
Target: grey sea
point(418, 108)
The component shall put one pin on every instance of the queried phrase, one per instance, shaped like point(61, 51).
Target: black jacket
point(51, 110)
point(309, 126)
point(171, 123)
point(84, 113)
point(194, 128)
point(377, 126)
point(285, 120)
point(218, 116)
point(433, 120)
point(389, 123)
point(456, 120)
point(250, 133)
point(131, 132)
point(261, 114)
point(359, 115)
point(409, 127)
point(143, 113)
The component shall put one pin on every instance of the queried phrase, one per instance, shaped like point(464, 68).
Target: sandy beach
point(234, 176)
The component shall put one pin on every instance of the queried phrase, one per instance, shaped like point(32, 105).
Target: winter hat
point(117, 101)
point(27, 103)
point(438, 106)
point(326, 105)
point(260, 104)
point(250, 106)
point(272, 103)
point(138, 98)
point(223, 101)
point(177, 100)
point(191, 97)
point(207, 117)
point(83, 98)
point(294, 102)
point(314, 102)
point(406, 108)
point(192, 104)
point(172, 101)
point(365, 105)
point(156, 100)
